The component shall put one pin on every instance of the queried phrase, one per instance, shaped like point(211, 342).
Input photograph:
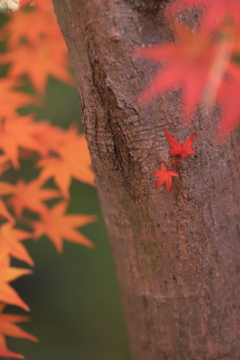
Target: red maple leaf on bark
point(188, 64)
point(183, 150)
point(217, 10)
point(228, 99)
point(164, 175)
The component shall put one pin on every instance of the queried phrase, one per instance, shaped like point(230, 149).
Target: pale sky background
point(9, 4)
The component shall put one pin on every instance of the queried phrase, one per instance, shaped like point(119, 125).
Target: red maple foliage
point(187, 64)
point(230, 105)
point(183, 150)
point(164, 175)
point(217, 11)
point(200, 62)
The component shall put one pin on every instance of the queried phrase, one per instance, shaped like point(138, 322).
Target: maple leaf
point(59, 227)
point(7, 294)
point(18, 132)
point(228, 99)
point(216, 10)
point(164, 175)
point(12, 99)
point(73, 161)
point(4, 164)
point(38, 63)
point(49, 137)
point(5, 353)
point(30, 196)
point(6, 188)
point(8, 327)
point(10, 242)
point(28, 25)
point(183, 150)
point(4, 212)
point(190, 63)
point(230, 32)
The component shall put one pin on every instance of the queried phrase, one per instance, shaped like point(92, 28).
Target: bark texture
point(177, 253)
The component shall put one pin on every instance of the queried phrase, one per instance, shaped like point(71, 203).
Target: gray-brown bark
point(177, 253)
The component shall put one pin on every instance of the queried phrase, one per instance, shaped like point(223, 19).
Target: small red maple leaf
point(183, 150)
point(164, 175)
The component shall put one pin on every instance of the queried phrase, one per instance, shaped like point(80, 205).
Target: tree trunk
point(177, 253)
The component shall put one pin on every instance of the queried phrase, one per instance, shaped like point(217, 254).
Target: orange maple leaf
point(6, 188)
point(164, 175)
point(11, 99)
point(26, 25)
point(58, 226)
point(7, 294)
point(49, 137)
point(30, 196)
point(5, 213)
point(30, 26)
point(4, 164)
point(10, 242)
point(38, 63)
point(8, 327)
point(5, 353)
point(18, 133)
point(73, 161)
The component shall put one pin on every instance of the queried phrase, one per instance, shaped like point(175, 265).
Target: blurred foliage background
point(74, 297)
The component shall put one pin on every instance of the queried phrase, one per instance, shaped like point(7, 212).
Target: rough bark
point(177, 253)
